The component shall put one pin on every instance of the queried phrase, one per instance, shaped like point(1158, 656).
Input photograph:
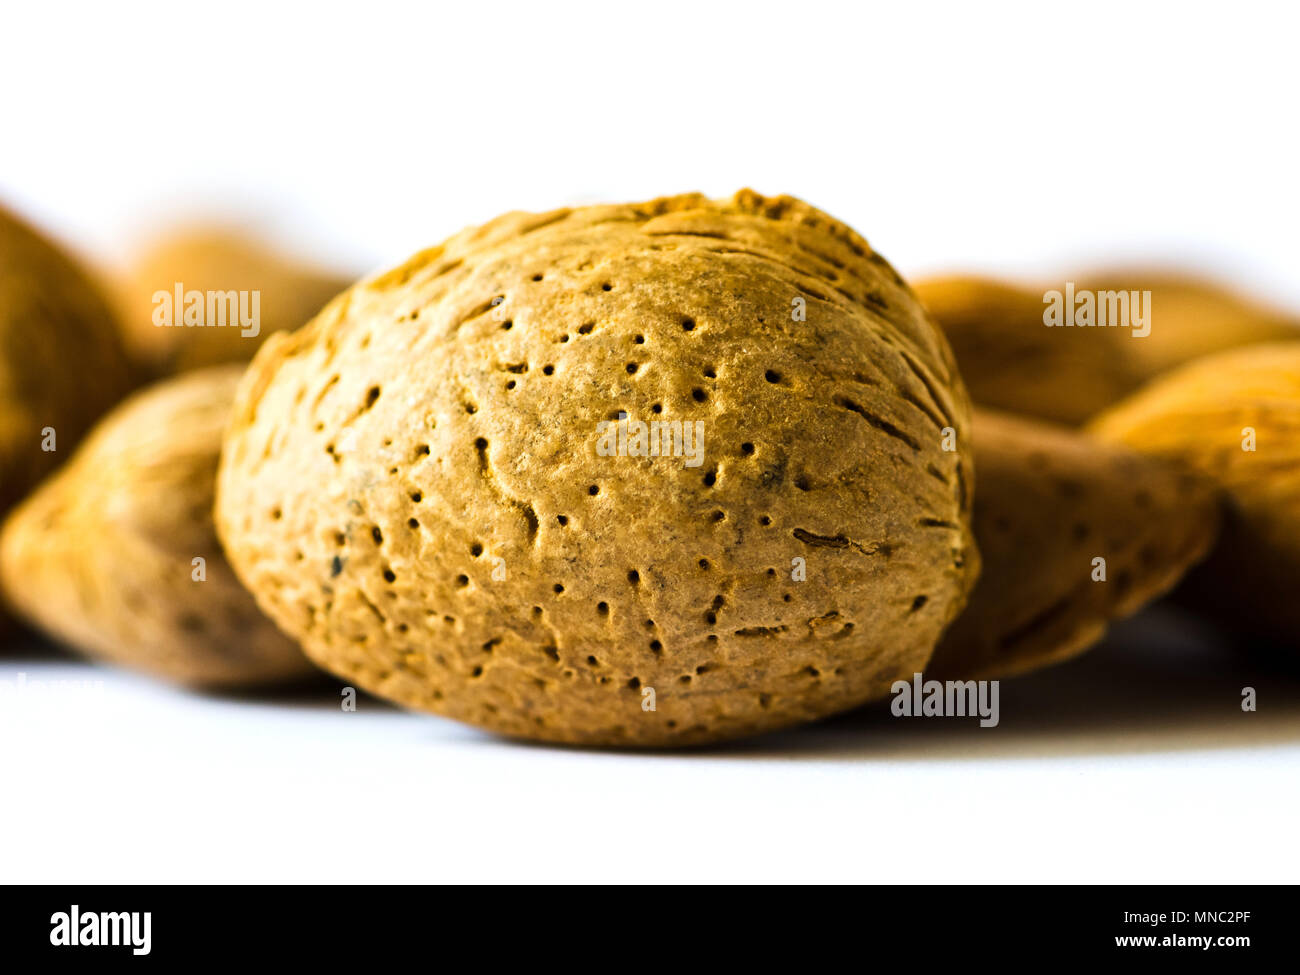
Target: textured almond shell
point(1050, 501)
point(101, 556)
point(440, 422)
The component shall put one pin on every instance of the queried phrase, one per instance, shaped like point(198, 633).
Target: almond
point(1051, 503)
point(1234, 418)
point(116, 554)
point(62, 362)
point(454, 448)
point(204, 294)
point(1011, 360)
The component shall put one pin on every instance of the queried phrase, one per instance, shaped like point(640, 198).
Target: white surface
point(1134, 763)
point(1002, 136)
point(1013, 139)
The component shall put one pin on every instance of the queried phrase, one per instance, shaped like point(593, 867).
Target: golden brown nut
point(1235, 418)
point(1192, 317)
point(62, 363)
point(431, 447)
point(1011, 360)
point(1050, 502)
point(220, 260)
point(61, 358)
point(116, 553)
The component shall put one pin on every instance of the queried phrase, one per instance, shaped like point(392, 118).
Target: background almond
point(1011, 360)
point(116, 556)
point(211, 257)
point(62, 362)
point(1050, 502)
point(1235, 418)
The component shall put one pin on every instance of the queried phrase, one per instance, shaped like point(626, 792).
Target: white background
point(1017, 140)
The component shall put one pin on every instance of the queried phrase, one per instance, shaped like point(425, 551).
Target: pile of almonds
point(653, 474)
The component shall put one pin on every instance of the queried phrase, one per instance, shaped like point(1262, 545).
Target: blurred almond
point(116, 554)
point(205, 295)
point(1234, 418)
point(62, 361)
point(1012, 360)
point(1051, 502)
